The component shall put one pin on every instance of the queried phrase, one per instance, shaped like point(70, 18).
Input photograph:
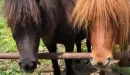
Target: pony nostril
point(107, 62)
point(24, 66)
point(92, 61)
point(28, 66)
point(34, 64)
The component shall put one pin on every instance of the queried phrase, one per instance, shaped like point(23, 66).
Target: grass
point(122, 70)
point(1, 7)
point(13, 69)
point(7, 44)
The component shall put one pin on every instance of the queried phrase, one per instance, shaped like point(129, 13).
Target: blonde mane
point(114, 12)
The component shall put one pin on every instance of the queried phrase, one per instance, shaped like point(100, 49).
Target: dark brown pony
point(24, 19)
point(108, 23)
point(31, 19)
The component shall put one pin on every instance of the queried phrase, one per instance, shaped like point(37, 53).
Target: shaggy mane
point(18, 11)
point(114, 12)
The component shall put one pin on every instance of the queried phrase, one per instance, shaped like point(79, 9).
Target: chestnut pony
point(108, 23)
point(31, 20)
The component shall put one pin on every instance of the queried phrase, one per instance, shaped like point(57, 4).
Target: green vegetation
point(7, 44)
point(122, 70)
point(1, 4)
point(13, 69)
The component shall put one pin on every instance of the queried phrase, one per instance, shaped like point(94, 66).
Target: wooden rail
point(60, 56)
point(49, 55)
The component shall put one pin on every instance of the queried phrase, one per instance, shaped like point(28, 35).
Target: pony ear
point(16, 10)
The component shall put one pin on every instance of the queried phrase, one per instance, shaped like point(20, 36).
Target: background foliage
point(7, 43)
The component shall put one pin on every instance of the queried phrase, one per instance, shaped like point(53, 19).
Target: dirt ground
point(80, 68)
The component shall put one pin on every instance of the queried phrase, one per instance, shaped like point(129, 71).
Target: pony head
point(104, 19)
point(23, 19)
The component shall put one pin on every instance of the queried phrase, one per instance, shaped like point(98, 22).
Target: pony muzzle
point(101, 64)
point(28, 66)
